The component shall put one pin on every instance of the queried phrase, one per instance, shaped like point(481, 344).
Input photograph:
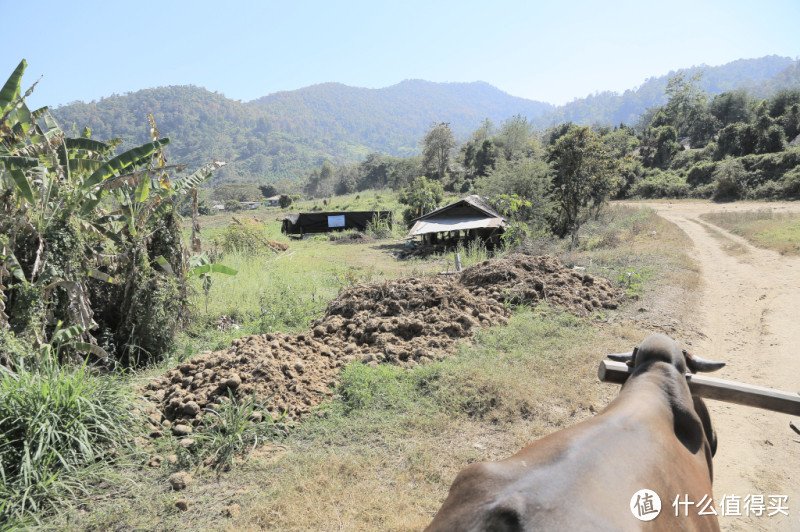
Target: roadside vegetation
point(382, 453)
point(111, 275)
point(763, 228)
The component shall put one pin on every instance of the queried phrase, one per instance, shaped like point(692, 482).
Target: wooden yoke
point(718, 389)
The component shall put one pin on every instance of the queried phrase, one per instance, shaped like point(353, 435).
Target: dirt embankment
point(405, 322)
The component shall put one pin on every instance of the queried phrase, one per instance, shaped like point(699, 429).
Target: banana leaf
point(89, 348)
point(22, 185)
point(81, 165)
point(19, 163)
point(164, 265)
point(132, 157)
point(102, 276)
point(212, 268)
point(87, 145)
point(143, 190)
point(11, 91)
point(49, 121)
point(65, 335)
point(14, 267)
point(205, 171)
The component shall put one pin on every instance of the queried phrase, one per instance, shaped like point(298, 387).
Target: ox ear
point(698, 365)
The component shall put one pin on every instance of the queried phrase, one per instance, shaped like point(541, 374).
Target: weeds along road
point(749, 312)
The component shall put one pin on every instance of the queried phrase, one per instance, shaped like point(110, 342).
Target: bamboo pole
point(718, 389)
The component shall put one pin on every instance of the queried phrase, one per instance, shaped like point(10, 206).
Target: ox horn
point(697, 364)
point(621, 357)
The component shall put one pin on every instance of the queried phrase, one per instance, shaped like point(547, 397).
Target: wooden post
point(718, 389)
point(458, 262)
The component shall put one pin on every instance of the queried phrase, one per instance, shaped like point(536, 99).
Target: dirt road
point(749, 313)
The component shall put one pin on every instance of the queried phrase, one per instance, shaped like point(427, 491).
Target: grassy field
point(764, 228)
point(383, 453)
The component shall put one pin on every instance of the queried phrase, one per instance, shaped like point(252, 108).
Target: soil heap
point(404, 322)
point(522, 279)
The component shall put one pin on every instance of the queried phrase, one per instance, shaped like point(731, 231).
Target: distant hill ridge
point(285, 134)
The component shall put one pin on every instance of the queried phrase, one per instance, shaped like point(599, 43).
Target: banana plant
point(47, 177)
point(202, 267)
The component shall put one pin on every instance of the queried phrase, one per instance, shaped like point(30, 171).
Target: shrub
point(60, 424)
point(247, 237)
point(233, 206)
point(791, 183)
point(233, 427)
point(730, 180)
point(700, 174)
point(286, 200)
point(12, 348)
point(379, 228)
point(659, 184)
point(282, 307)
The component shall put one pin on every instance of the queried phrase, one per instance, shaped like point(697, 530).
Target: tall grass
point(234, 427)
point(58, 426)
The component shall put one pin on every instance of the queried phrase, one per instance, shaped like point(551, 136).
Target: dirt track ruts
point(749, 313)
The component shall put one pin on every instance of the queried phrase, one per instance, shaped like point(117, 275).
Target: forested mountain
point(392, 120)
point(761, 76)
point(284, 135)
point(204, 125)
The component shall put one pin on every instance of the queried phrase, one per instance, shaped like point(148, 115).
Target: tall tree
point(514, 136)
point(583, 178)
point(687, 100)
point(436, 148)
point(481, 134)
point(421, 196)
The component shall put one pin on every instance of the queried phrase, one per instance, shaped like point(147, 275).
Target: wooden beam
point(718, 389)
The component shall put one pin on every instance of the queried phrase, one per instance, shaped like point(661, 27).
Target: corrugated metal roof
point(462, 223)
point(473, 201)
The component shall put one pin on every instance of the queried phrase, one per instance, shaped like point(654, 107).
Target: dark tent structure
point(305, 223)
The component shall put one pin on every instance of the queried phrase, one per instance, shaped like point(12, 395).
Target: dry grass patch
point(728, 245)
point(763, 228)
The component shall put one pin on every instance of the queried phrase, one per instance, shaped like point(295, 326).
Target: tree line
point(729, 146)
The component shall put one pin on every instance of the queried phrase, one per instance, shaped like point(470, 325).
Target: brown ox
point(654, 436)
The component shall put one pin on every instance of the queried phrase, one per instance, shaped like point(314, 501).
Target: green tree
point(687, 100)
point(421, 196)
point(527, 178)
point(514, 137)
point(238, 192)
point(436, 149)
point(730, 180)
point(584, 176)
point(484, 132)
point(731, 107)
point(268, 191)
point(285, 201)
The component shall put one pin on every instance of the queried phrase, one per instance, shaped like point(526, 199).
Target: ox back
point(654, 436)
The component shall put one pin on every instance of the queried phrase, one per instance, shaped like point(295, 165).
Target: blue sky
point(549, 51)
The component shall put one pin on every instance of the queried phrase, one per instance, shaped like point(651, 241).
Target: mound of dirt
point(295, 371)
point(404, 322)
point(522, 279)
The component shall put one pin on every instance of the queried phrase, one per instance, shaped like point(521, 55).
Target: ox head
point(658, 347)
point(661, 348)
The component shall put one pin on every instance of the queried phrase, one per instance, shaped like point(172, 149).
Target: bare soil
point(404, 322)
point(746, 314)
